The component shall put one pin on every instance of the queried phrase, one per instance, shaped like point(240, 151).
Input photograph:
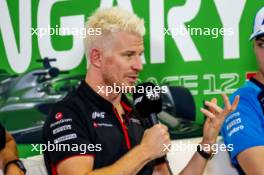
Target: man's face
point(259, 51)
point(122, 64)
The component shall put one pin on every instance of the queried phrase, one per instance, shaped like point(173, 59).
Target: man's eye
point(129, 54)
point(261, 45)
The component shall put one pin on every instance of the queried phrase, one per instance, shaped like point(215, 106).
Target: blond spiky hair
point(113, 20)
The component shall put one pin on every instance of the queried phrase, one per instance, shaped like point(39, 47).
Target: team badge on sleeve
point(58, 116)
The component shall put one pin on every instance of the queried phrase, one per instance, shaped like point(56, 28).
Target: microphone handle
point(154, 119)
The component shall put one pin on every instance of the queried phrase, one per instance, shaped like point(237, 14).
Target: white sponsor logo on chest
point(96, 115)
point(62, 128)
point(135, 121)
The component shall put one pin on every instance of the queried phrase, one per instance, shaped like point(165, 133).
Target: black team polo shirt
point(85, 124)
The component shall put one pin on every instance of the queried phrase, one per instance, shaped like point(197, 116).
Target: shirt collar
point(257, 83)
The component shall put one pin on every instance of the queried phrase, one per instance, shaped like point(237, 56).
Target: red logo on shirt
point(59, 116)
point(95, 125)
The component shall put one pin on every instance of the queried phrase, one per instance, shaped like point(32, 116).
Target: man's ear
point(95, 57)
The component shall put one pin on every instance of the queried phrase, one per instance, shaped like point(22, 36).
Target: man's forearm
point(130, 164)
point(197, 163)
point(195, 166)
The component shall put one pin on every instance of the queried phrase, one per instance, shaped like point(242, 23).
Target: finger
point(214, 100)
point(207, 113)
point(164, 127)
point(167, 136)
point(226, 102)
point(213, 106)
point(235, 103)
point(146, 131)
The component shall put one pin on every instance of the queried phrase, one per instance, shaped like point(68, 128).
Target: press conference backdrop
point(202, 45)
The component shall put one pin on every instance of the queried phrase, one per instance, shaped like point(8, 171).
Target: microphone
point(147, 101)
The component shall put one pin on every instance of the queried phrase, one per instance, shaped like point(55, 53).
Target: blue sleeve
point(243, 128)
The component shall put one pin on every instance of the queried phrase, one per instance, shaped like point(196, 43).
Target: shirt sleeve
point(66, 134)
point(243, 128)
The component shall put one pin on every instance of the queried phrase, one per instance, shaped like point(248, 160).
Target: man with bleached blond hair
point(117, 143)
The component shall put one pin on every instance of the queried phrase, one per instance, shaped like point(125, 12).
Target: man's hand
point(154, 140)
point(151, 147)
point(215, 118)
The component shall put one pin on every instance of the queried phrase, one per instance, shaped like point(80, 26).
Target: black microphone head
point(147, 99)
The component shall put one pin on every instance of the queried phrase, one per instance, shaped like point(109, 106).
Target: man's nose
point(137, 65)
